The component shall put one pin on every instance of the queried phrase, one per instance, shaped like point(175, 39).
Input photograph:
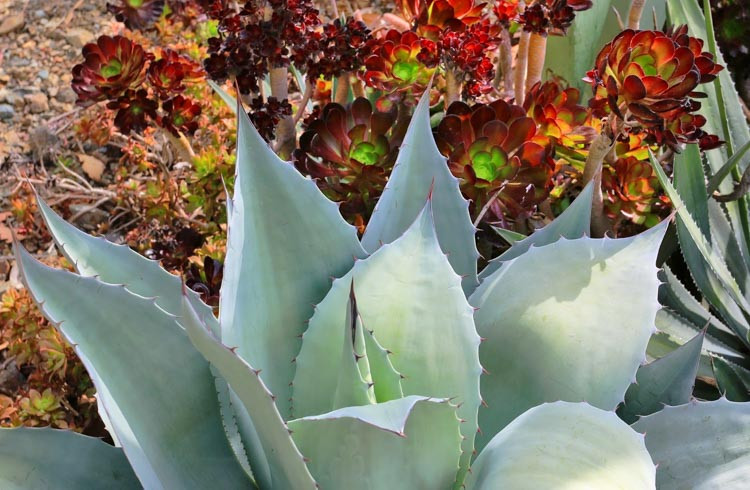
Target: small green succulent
point(341, 364)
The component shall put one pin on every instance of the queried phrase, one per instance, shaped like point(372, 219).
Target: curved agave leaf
point(64, 460)
point(412, 442)
point(286, 466)
point(285, 242)
point(567, 321)
point(118, 264)
point(700, 445)
point(421, 170)
point(665, 381)
point(729, 381)
point(564, 445)
point(409, 296)
point(145, 363)
point(574, 222)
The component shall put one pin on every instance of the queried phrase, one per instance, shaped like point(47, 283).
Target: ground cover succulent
point(338, 363)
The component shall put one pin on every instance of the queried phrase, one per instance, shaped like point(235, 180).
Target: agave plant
point(342, 364)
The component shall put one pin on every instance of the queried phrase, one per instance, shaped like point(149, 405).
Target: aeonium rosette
point(648, 80)
point(556, 109)
point(496, 148)
point(401, 65)
point(631, 191)
point(350, 152)
point(112, 66)
point(137, 14)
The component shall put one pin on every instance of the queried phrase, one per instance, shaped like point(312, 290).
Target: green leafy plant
point(340, 364)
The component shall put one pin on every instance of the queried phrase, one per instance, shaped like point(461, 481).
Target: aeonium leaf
point(567, 321)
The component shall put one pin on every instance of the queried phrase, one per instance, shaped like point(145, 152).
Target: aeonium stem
point(302, 108)
point(452, 87)
point(285, 133)
point(181, 144)
point(504, 68)
point(535, 65)
point(342, 89)
point(592, 171)
point(634, 15)
point(519, 73)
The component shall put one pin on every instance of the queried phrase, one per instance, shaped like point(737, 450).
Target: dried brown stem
point(600, 148)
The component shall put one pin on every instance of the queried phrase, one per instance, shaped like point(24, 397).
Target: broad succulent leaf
point(421, 170)
point(509, 236)
point(553, 329)
point(230, 101)
point(564, 445)
point(435, 348)
point(665, 381)
point(574, 222)
point(729, 382)
point(412, 442)
point(285, 242)
point(118, 264)
point(122, 357)
point(287, 467)
point(700, 445)
point(64, 460)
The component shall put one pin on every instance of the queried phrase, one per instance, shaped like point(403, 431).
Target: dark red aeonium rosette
point(648, 79)
point(631, 190)
point(496, 147)
point(541, 16)
point(137, 14)
point(134, 109)
point(168, 74)
point(350, 150)
point(556, 109)
point(180, 115)
point(112, 66)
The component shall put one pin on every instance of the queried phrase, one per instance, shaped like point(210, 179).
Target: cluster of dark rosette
point(555, 16)
point(143, 14)
point(350, 151)
point(457, 33)
point(265, 115)
point(648, 79)
point(205, 279)
point(135, 84)
point(256, 39)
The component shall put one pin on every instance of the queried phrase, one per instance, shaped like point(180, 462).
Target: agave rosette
point(111, 66)
point(494, 148)
point(137, 14)
point(401, 65)
point(651, 77)
point(350, 150)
